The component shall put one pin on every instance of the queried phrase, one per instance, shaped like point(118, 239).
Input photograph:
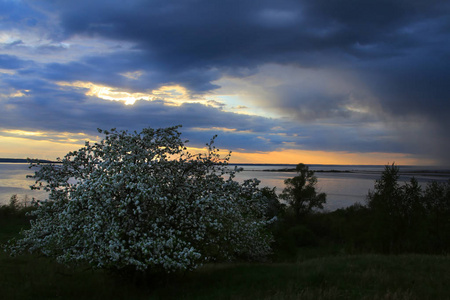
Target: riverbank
point(338, 277)
point(316, 273)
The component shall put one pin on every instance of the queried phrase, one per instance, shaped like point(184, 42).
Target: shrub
point(142, 201)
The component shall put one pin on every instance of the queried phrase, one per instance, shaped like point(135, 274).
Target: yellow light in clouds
point(223, 129)
point(16, 94)
point(6, 71)
point(108, 93)
point(60, 137)
point(132, 75)
point(23, 132)
point(174, 95)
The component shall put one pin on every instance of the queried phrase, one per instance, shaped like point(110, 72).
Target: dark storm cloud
point(183, 34)
point(176, 36)
point(398, 50)
point(401, 46)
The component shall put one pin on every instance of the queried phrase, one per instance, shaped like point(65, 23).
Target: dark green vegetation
point(317, 255)
point(316, 273)
point(13, 218)
point(300, 192)
point(334, 277)
point(398, 218)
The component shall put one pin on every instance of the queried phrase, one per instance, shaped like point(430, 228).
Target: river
point(344, 185)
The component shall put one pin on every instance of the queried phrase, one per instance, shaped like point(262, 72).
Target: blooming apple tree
point(141, 200)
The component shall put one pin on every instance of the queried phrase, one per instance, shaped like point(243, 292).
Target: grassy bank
point(320, 276)
point(346, 277)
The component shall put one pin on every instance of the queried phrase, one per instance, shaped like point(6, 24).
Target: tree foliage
point(300, 192)
point(436, 198)
point(142, 201)
point(407, 218)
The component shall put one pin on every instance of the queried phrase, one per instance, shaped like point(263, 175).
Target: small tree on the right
point(437, 205)
point(398, 213)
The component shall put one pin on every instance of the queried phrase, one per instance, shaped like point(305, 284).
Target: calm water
point(13, 181)
point(342, 189)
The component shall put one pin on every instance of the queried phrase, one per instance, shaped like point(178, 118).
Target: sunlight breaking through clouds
point(8, 72)
point(223, 129)
point(15, 94)
point(108, 93)
point(172, 95)
point(132, 75)
point(23, 133)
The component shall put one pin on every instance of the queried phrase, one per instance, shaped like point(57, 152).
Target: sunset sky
point(279, 81)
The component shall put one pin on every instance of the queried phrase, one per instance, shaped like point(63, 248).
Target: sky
point(279, 81)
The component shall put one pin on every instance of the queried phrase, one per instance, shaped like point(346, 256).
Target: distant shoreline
point(431, 173)
point(418, 172)
point(315, 171)
point(290, 168)
point(23, 160)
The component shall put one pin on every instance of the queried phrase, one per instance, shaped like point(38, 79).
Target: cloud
point(75, 111)
point(334, 75)
point(11, 62)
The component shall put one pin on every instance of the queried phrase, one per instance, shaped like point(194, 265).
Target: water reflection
point(341, 191)
point(13, 181)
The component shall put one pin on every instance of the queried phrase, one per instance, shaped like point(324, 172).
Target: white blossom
point(142, 200)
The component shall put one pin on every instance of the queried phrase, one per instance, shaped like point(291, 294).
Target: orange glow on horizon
point(327, 158)
point(22, 146)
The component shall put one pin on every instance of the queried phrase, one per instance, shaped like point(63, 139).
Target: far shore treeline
point(23, 160)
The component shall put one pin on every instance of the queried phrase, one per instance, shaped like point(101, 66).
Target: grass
point(317, 274)
point(346, 277)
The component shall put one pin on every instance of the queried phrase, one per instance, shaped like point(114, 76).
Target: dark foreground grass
point(338, 277)
point(321, 276)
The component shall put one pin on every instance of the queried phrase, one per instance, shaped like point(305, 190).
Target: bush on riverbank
point(142, 202)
